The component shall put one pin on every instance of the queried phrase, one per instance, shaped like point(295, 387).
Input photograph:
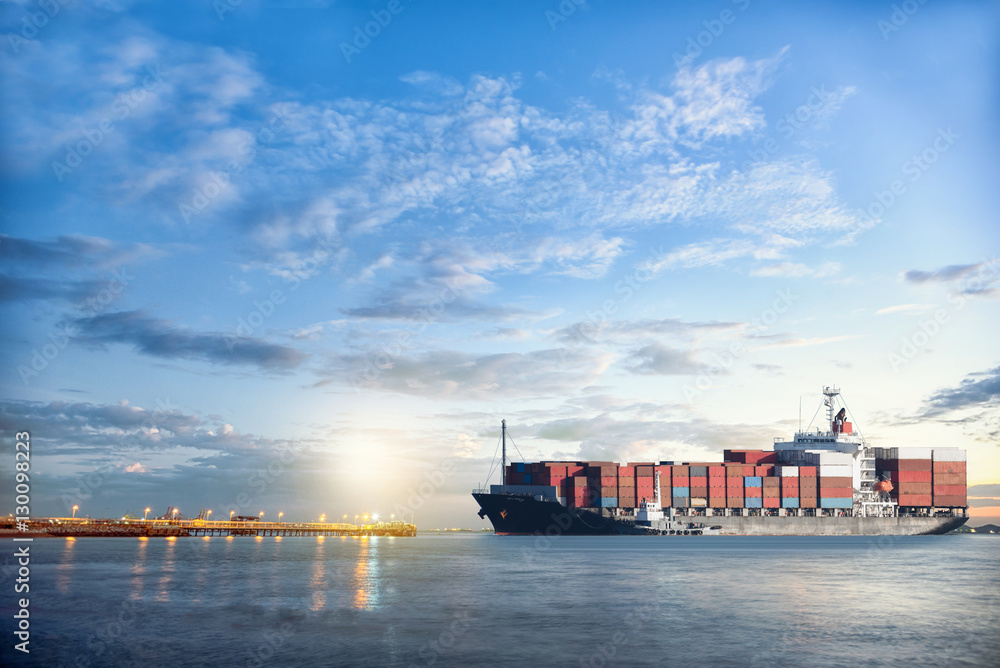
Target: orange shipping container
point(949, 490)
point(922, 500)
point(772, 502)
point(836, 481)
point(949, 467)
point(914, 488)
point(714, 471)
point(807, 471)
point(950, 501)
point(717, 481)
point(910, 476)
point(808, 502)
point(949, 479)
point(753, 492)
point(716, 502)
point(836, 492)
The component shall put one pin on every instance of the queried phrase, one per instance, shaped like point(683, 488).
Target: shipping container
point(787, 471)
point(950, 501)
point(949, 467)
point(770, 481)
point(679, 502)
point(908, 500)
point(682, 481)
point(644, 471)
point(910, 476)
point(716, 502)
point(835, 471)
point(836, 503)
point(948, 455)
point(626, 471)
point(753, 481)
point(699, 471)
point(807, 472)
point(681, 492)
point(734, 471)
point(913, 488)
point(698, 502)
point(949, 490)
point(835, 492)
point(771, 502)
point(717, 481)
point(609, 481)
point(808, 502)
point(734, 502)
point(680, 470)
point(734, 483)
point(750, 502)
point(716, 471)
point(949, 479)
point(699, 491)
point(753, 492)
point(790, 502)
point(608, 502)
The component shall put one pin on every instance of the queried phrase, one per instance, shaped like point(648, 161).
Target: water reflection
point(318, 582)
point(167, 570)
point(138, 570)
point(64, 571)
point(367, 594)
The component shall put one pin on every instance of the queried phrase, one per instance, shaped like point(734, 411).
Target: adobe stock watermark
point(35, 21)
point(927, 329)
point(562, 12)
point(59, 340)
point(432, 650)
point(121, 109)
point(217, 182)
point(721, 363)
point(364, 34)
point(419, 495)
point(899, 17)
point(696, 44)
point(913, 167)
point(605, 653)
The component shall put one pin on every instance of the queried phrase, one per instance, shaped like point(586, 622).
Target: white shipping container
point(912, 453)
point(835, 471)
point(845, 458)
point(949, 455)
point(788, 471)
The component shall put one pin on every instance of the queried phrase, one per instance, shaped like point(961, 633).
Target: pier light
point(75, 508)
point(231, 513)
point(280, 514)
point(144, 515)
point(174, 515)
point(322, 518)
point(210, 514)
point(374, 517)
point(355, 519)
point(261, 515)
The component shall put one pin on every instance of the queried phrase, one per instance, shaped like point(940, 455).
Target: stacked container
point(911, 473)
point(948, 477)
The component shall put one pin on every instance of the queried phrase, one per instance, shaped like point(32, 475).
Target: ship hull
point(525, 515)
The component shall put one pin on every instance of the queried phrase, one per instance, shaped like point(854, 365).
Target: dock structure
point(68, 526)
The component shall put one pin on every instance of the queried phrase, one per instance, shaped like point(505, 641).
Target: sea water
point(485, 600)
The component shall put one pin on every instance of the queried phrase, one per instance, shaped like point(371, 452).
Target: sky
point(303, 257)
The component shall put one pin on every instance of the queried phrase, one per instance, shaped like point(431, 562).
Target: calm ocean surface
point(474, 599)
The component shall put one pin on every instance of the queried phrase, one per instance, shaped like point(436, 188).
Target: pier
point(76, 527)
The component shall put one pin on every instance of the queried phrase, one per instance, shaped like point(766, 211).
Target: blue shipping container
point(752, 481)
point(682, 492)
point(789, 503)
point(836, 503)
point(520, 467)
point(527, 478)
point(753, 503)
point(609, 502)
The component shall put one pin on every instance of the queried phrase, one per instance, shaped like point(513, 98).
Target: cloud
point(160, 338)
point(797, 270)
point(591, 331)
point(803, 342)
point(984, 490)
point(904, 308)
point(943, 275)
point(977, 390)
point(660, 360)
point(444, 374)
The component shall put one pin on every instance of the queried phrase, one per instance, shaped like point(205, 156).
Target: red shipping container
point(753, 492)
point(626, 471)
point(807, 471)
point(836, 492)
point(950, 501)
point(558, 480)
point(717, 482)
point(716, 471)
point(808, 502)
point(772, 502)
point(574, 470)
point(808, 484)
point(910, 476)
point(681, 482)
point(922, 500)
point(911, 465)
point(680, 470)
point(763, 471)
point(734, 483)
point(608, 481)
point(836, 481)
point(699, 481)
point(949, 467)
point(949, 490)
point(579, 482)
point(949, 479)
point(913, 488)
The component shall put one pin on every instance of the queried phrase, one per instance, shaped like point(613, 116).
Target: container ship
point(822, 482)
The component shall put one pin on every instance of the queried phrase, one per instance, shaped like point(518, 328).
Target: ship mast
point(503, 454)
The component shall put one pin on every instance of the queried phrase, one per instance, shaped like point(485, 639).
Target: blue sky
point(258, 259)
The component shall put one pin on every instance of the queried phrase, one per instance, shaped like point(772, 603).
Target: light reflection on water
point(788, 601)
